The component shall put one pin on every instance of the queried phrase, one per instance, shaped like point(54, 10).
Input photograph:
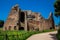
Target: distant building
point(27, 20)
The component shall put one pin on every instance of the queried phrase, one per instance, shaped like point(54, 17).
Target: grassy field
point(18, 35)
point(1, 28)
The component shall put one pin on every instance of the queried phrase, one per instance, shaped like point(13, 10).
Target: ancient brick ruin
point(27, 20)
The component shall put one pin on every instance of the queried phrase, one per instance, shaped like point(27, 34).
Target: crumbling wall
point(12, 20)
point(18, 19)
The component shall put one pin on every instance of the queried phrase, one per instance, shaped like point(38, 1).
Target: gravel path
point(44, 36)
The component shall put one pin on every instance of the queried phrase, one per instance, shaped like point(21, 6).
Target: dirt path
point(44, 36)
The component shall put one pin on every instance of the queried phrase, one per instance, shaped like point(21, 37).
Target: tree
point(1, 23)
point(57, 9)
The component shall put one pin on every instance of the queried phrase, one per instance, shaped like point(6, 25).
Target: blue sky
point(42, 6)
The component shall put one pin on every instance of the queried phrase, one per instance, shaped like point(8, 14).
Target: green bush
point(1, 28)
point(58, 35)
point(18, 35)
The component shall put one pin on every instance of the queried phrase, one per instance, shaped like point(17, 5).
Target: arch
point(21, 28)
point(15, 27)
point(9, 28)
point(22, 16)
point(5, 28)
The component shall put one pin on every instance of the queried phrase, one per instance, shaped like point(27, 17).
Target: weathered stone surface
point(27, 20)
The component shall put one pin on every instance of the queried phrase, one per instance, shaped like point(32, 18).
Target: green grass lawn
point(0, 28)
point(18, 35)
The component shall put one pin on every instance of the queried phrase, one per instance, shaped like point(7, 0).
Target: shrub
point(58, 35)
point(18, 35)
point(0, 28)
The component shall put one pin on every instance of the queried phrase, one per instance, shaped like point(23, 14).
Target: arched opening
point(51, 28)
point(22, 17)
point(9, 28)
point(21, 20)
point(21, 28)
point(14, 27)
point(5, 28)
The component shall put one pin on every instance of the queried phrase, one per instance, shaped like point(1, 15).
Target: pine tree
point(57, 8)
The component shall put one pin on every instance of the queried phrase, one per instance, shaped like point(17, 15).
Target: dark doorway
point(14, 27)
point(5, 28)
point(21, 28)
point(22, 17)
point(51, 28)
point(9, 27)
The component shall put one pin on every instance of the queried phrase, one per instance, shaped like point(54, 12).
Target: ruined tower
point(51, 21)
point(27, 20)
point(16, 20)
point(13, 19)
